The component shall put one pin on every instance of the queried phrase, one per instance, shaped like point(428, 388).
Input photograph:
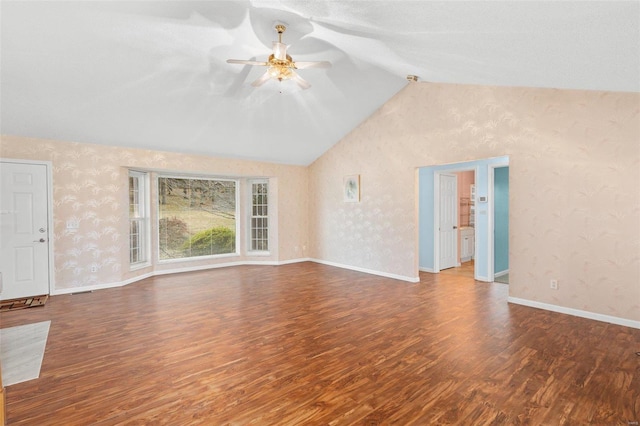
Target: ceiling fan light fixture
point(280, 72)
point(280, 66)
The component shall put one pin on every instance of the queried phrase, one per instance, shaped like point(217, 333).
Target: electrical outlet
point(94, 268)
point(553, 284)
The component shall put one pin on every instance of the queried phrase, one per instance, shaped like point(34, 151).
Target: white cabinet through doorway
point(467, 240)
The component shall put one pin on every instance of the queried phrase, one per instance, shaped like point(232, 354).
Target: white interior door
point(24, 233)
point(448, 221)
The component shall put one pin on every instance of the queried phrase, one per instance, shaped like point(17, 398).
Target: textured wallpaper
point(574, 191)
point(90, 185)
point(574, 186)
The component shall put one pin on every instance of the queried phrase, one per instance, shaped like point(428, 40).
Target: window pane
point(138, 222)
point(134, 196)
point(259, 220)
point(197, 217)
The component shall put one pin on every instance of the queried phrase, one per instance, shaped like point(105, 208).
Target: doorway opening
point(473, 209)
point(499, 218)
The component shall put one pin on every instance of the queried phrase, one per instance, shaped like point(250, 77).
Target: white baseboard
point(88, 288)
point(430, 270)
point(501, 273)
point(290, 261)
point(368, 271)
point(85, 289)
point(518, 301)
point(94, 287)
point(575, 312)
point(198, 268)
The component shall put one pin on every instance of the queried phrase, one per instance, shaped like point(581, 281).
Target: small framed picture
point(352, 189)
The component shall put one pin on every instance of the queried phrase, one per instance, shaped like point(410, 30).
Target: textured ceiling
point(153, 74)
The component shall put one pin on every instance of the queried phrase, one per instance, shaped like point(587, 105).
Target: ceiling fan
point(280, 65)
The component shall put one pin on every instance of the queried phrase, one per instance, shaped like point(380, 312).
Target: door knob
point(455, 227)
point(41, 240)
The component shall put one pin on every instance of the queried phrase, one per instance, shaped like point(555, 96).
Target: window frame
point(250, 216)
point(157, 178)
point(143, 219)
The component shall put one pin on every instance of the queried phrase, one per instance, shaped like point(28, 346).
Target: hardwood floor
point(312, 344)
point(466, 269)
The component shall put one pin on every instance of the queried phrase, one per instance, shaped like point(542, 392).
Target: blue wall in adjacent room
point(501, 220)
point(426, 203)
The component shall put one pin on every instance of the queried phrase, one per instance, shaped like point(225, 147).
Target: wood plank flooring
point(309, 344)
point(466, 269)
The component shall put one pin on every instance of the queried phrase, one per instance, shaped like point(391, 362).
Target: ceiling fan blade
point(262, 80)
point(240, 61)
point(317, 64)
point(304, 84)
point(280, 51)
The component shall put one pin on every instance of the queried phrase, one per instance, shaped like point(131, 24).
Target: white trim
point(257, 253)
point(368, 271)
point(575, 312)
point(144, 199)
point(430, 270)
point(88, 288)
point(436, 222)
point(197, 268)
point(299, 260)
point(85, 289)
point(52, 274)
point(137, 266)
point(50, 235)
point(501, 273)
point(482, 278)
point(196, 258)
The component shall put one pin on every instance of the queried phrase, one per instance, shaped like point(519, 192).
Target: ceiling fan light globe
point(274, 72)
point(285, 73)
point(280, 72)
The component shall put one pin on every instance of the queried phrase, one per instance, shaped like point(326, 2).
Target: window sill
point(197, 258)
point(138, 266)
point(259, 253)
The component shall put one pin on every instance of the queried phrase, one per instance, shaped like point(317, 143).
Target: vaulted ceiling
point(153, 74)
